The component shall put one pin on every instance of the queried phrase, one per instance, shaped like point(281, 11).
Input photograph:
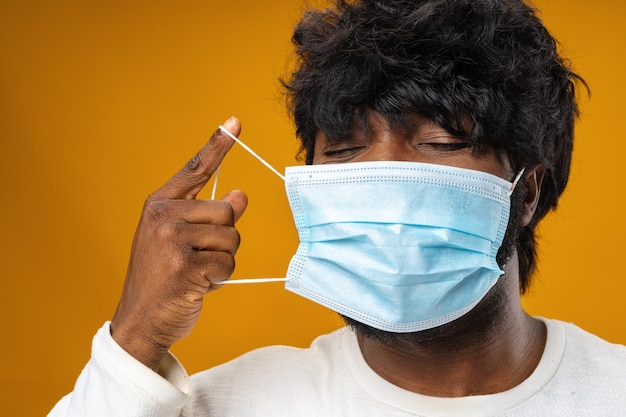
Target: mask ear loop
point(215, 176)
point(251, 280)
point(243, 145)
point(515, 181)
point(247, 148)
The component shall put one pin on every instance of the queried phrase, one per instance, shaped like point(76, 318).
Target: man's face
point(421, 140)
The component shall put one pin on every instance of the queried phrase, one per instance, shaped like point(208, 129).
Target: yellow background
point(100, 102)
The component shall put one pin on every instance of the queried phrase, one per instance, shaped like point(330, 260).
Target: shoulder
point(582, 342)
point(589, 357)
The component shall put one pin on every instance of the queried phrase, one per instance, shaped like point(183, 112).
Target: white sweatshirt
point(579, 375)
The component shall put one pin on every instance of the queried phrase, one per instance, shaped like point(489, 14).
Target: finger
point(212, 267)
point(202, 237)
point(216, 212)
point(187, 183)
point(238, 200)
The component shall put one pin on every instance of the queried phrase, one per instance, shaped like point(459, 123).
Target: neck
point(491, 349)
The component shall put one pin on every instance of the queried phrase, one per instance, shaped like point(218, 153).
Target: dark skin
point(184, 247)
point(494, 347)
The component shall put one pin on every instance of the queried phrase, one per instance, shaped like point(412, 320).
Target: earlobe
point(534, 179)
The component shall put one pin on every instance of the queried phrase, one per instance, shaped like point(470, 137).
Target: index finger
point(187, 183)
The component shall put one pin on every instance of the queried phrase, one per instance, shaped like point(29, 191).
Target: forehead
point(371, 123)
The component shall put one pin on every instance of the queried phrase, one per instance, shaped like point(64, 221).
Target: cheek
point(496, 163)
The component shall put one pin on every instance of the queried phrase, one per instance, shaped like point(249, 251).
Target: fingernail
point(230, 123)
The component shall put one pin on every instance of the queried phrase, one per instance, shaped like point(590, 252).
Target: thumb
point(238, 200)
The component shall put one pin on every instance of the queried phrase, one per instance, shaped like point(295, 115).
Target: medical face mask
point(399, 246)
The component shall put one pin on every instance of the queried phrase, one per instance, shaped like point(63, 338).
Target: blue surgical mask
point(399, 246)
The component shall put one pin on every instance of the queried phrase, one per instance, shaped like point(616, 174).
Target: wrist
point(138, 343)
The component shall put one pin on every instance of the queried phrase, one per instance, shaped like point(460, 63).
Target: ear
point(534, 179)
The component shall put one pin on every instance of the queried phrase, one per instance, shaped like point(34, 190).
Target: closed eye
point(447, 146)
point(342, 152)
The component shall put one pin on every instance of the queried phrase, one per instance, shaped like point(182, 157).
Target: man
point(438, 133)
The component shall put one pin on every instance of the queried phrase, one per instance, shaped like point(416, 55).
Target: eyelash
point(452, 146)
point(338, 152)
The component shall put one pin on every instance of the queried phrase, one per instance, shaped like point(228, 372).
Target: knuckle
point(156, 210)
point(235, 240)
point(226, 213)
point(195, 168)
point(231, 266)
point(217, 266)
point(169, 232)
point(178, 264)
point(194, 163)
point(225, 263)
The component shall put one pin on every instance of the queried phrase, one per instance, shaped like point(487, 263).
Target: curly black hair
point(487, 70)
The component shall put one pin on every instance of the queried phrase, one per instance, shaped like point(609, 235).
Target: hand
point(182, 247)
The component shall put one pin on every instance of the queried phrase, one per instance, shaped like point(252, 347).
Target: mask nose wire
point(264, 162)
